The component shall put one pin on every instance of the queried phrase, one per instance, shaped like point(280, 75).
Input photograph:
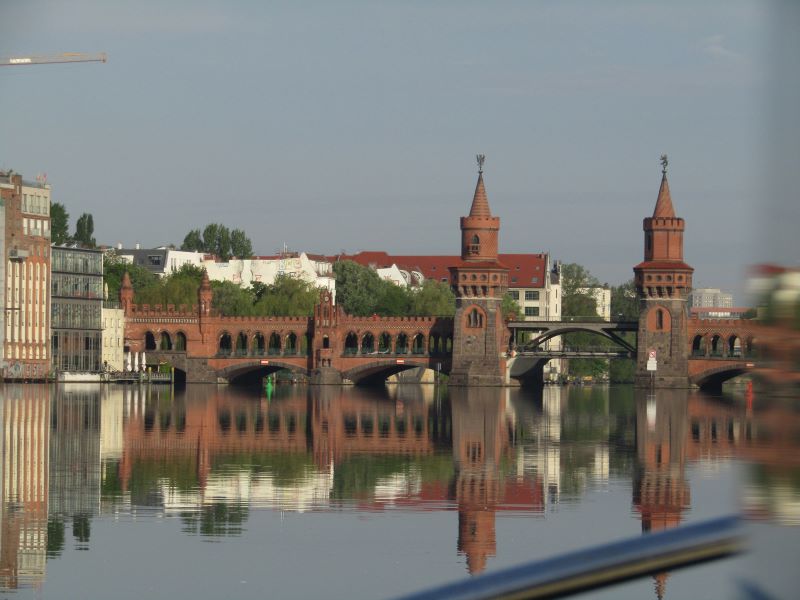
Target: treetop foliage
point(361, 292)
point(219, 240)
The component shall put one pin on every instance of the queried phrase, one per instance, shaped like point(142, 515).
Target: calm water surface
point(213, 492)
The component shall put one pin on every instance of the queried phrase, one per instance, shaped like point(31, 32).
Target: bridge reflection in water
point(212, 455)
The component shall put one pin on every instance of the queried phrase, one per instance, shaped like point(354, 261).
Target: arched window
point(418, 344)
point(716, 346)
point(475, 318)
point(698, 348)
point(241, 344)
point(149, 341)
point(291, 344)
point(274, 344)
point(351, 343)
point(180, 342)
point(225, 344)
point(259, 345)
point(326, 342)
point(165, 343)
point(659, 319)
point(368, 344)
point(734, 346)
point(401, 345)
point(384, 343)
point(475, 245)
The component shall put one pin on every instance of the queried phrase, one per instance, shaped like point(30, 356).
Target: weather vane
point(664, 163)
point(481, 158)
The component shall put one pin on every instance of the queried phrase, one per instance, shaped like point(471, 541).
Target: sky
point(333, 126)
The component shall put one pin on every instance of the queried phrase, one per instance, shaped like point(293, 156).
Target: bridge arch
point(712, 379)
point(252, 368)
point(378, 371)
point(567, 328)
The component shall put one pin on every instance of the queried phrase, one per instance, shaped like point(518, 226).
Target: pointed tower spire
point(204, 295)
point(664, 208)
point(480, 203)
point(126, 292)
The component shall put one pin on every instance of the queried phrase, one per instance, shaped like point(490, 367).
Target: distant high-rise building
point(710, 298)
point(25, 274)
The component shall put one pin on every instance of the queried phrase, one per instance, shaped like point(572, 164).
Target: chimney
point(119, 245)
point(138, 246)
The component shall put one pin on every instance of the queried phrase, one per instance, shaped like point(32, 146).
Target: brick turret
point(663, 283)
point(479, 282)
point(126, 293)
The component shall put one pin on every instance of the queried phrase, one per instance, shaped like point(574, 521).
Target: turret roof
point(664, 208)
point(480, 203)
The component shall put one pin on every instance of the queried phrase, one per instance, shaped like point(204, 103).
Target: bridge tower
point(663, 283)
point(479, 282)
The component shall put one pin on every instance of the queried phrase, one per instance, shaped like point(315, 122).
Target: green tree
point(231, 299)
point(193, 242)
point(114, 268)
point(223, 246)
point(393, 300)
point(84, 230)
point(59, 223)
point(575, 277)
point(510, 308)
point(578, 303)
point(624, 305)
point(357, 288)
point(433, 298)
point(210, 237)
point(288, 297)
point(241, 246)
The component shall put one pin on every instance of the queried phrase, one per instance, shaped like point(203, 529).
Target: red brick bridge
point(331, 346)
point(720, 349)
point(207, 347)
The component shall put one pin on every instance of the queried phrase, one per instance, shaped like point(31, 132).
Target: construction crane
point(66, 57)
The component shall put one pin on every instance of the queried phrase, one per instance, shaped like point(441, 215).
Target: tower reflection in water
point(660, 490)
point(210, 456)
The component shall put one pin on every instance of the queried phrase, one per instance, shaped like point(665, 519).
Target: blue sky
point(354, 125)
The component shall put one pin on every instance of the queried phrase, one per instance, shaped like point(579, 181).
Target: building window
point(531, 295)
point(475, 245)
point(514, 294)
point(475, 318)
point(155, 260)
point(531, 311)
point(659, 319)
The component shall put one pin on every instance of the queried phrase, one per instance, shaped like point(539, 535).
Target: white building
point(113, 337)
point(602, 298)
point(313, 269)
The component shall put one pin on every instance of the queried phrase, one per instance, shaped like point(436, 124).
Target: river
point(295, 492)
